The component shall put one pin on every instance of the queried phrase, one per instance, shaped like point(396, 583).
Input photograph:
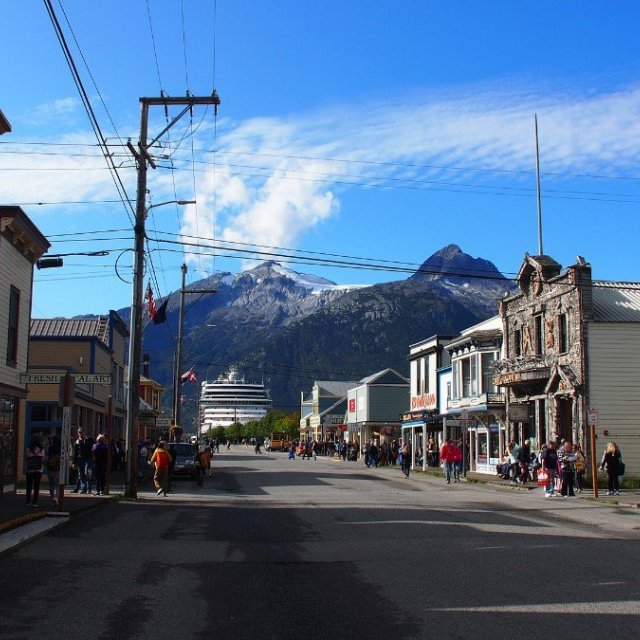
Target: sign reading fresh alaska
point(55, 378)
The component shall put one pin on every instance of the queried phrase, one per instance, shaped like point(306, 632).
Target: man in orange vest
point(162, 459)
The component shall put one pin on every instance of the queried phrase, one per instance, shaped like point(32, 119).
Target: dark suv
point(182, 454)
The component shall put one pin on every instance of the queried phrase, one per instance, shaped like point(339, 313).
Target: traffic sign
point(592, 417)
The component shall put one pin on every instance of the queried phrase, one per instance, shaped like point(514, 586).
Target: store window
point(8, 425)
point(12, 329)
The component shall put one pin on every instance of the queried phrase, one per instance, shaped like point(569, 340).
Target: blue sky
point(381, 130)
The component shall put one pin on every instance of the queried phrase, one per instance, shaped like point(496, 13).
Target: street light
point(135, 333)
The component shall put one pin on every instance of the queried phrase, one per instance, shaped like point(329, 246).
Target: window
point(474, 374)
point(517, 342)
point(539, 337)
point(425, 374)
point(12, 333)
point(487, 373)
point(454, 379)
point(466, 377)
point(43, 412)
point(418, 387)
point(563, 333)
point(448, 390)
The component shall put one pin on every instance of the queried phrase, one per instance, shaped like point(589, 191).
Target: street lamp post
point(177, 408)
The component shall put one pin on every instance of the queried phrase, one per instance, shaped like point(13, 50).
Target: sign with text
point(56, 378)
point(592, 417)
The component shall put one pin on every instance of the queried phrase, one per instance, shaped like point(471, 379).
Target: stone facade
point(544, 368)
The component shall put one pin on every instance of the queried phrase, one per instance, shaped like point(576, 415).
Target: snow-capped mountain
point(289, 328)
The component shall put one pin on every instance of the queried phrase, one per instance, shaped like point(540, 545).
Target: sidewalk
point(627, 497)
point(20, 522)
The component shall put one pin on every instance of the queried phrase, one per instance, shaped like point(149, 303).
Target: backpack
point(34, 463)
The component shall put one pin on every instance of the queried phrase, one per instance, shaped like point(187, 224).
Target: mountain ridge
point(290, 329)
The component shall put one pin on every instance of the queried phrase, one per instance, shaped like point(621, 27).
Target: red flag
point(190, 376)
point(151, 301)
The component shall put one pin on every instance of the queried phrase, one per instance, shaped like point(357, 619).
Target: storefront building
point(21, 246)
point(476, 408)
point(543, 370)
point(572, 350)
point(374, 407)
point(424, 422)
point(327, 397)
point(76, 346)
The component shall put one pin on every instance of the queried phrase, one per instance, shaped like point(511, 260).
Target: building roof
point(336, 387)
point(616, 301)
point(16, 220)
point(93, 327)
point(386, 376)
point(487, 337)
point(5, 125)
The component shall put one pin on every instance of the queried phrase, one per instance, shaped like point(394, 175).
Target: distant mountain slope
point(289, 329)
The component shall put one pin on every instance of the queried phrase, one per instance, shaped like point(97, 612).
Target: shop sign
point(518, 412)
point(424, 401)
point(56, 378)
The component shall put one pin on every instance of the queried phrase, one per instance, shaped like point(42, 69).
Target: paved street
point(273, 548)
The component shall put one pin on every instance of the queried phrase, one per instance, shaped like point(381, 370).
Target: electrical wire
point(122, 192)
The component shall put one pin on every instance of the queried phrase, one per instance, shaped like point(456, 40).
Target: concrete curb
point(19, 531)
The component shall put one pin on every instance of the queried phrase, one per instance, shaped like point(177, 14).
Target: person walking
point(405, 453)
point(373, 454)
point(446, 458)
point(567, 461)
point(457, 461)
point(549, 462)
point(161, 458)
point(33, 468)
point(100, 458)
point(52, 465)
point(82, 461)
point(611, 463)
point(581, 467)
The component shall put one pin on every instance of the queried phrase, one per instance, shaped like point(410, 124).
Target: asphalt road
point(273, 548)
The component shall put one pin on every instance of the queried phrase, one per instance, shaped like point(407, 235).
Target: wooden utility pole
point(142, 156)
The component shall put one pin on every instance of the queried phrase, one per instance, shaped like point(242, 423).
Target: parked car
point(182, 454)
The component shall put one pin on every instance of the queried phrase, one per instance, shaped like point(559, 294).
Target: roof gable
point(387, 376)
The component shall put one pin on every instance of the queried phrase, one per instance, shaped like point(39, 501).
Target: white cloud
point(280, 178)
point(276, 179)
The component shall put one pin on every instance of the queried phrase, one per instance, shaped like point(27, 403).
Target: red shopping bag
point(543, 477)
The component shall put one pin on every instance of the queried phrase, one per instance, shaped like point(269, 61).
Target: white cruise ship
point(230, 399)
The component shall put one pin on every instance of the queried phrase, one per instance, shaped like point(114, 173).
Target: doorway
point(564, 417)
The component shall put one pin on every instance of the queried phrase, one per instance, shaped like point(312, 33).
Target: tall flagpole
point(540, 250)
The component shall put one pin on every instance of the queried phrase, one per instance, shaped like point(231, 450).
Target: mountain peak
point(453, 265)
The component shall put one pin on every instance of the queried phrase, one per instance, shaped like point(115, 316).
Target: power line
point(89, 109)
